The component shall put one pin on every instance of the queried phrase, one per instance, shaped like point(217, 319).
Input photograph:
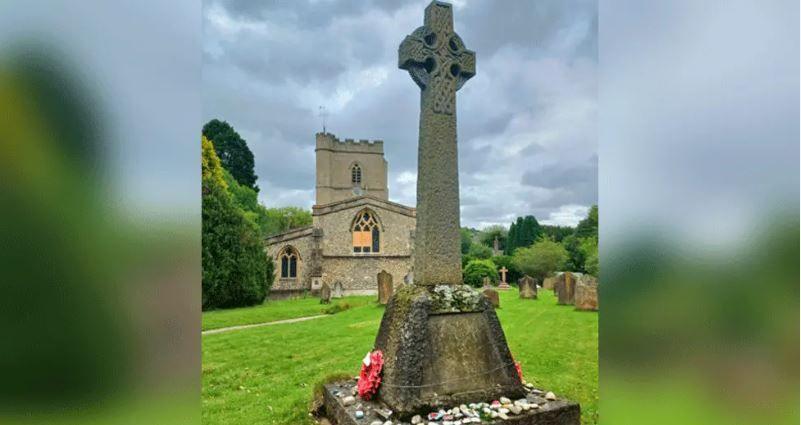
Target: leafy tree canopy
point(233, 151)
point(541, 259)
point(488, 235)
point(235, 271)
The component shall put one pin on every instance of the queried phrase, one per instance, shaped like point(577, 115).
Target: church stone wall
point(335, 159)
point(302, 241)
point(396, 230)
point(359, 275)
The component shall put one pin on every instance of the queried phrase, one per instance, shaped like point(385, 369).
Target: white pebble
point(550, 396)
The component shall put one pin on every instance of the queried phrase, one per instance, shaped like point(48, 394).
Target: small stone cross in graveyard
point(503, 271)
point(437, 60)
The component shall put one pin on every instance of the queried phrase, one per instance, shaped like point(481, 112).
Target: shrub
point(541, 259)
point(475, 271)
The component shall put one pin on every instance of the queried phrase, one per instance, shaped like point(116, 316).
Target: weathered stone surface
point(338, 291)
point(325, 294)
point(528, 287)
point(546, 412)
point(427, 355)
point(565, 288)
point(549, 282)
point(384, 287)
point(326, 247)
point(586, 293)
point(439, 63)
point(492, 296)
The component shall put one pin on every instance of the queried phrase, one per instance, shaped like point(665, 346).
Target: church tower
point(349, 169)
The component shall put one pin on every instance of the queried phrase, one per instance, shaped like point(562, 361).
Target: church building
point(356, 230)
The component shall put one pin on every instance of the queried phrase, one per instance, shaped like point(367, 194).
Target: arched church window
point(356, 175)
point(366, 234)
point(289, 263)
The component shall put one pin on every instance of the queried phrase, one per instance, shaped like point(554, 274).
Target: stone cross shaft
point(435, 57)
point(503, 271)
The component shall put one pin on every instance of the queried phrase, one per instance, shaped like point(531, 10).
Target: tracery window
point(289, 263)
point(356, 175)
point(366, 233)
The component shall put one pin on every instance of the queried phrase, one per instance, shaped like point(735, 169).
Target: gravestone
point(492, 296)
point(325, 294)
point(587, 293)
point(549, 282)
point(438, 331)
point(565, 288)
point(384, 287)
point(487, 283)
point(338, 291)
point(528, 287)
point(504, 286)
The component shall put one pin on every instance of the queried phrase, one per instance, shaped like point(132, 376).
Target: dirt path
point(257, 325)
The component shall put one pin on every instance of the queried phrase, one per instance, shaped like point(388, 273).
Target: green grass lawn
point(275, 310)
point(266, 375)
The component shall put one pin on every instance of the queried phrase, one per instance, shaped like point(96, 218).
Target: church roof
point(290, 234)
point(358, 201)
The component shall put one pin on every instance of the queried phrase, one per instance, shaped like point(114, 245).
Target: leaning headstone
point(325, 294)
point(565, 288)
point(384, 287)
point(528, 288)
point(587, 293)
point(492, 296)
point(338, 290)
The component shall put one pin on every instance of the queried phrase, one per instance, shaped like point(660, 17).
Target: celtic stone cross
point(438, 62)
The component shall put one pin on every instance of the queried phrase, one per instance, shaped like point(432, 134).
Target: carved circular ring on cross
point(455, 44)
point(430, 38)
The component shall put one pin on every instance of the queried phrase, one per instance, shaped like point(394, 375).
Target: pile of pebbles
point(472, 413)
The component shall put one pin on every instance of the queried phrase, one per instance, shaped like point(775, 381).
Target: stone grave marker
point(487, 283)
point(587, 293)
point(548, 282)
point(438, 330)
point(384, 287)
point(504, 286)
point(338, 291)
point(325, 294)
point(565, 288)
point(492, 296)
point(528, 287)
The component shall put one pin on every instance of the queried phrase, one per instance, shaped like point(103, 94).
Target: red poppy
point(370, 376)
point(519, 371)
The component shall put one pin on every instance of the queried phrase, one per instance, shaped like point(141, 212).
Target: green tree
point(589, 246)
point(467, 239)
point(529, 231)
point(479, 251)
point(543, 258)
point(279, 220)
point(557, 233)
point(575, 256)
point(236, 272)
point(488, 235)
point(475, 271)
point(233, 151)
point(588, 227)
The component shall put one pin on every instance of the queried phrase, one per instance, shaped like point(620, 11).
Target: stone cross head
point(436, 57)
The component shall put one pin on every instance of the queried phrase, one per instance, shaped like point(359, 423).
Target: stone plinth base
point(547, 412)
point(503, 286)
point(444, 346)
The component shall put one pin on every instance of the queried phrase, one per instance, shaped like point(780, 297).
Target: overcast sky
point(527, 122)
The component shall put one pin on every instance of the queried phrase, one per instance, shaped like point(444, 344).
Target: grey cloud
point(531, 102)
